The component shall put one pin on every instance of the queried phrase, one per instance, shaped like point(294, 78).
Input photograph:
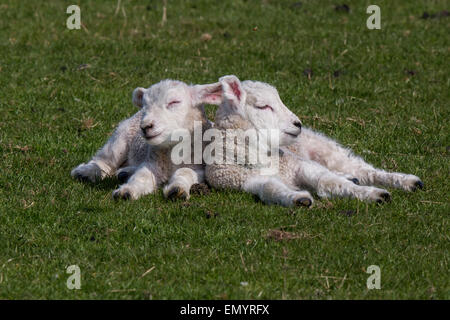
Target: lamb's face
point(260, 104)
point(172, 105)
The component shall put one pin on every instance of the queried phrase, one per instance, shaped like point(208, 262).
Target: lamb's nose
point(298, 124)
point(146, 128)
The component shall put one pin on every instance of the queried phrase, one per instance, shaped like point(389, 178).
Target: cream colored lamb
point(308, 161)
point(139, 151)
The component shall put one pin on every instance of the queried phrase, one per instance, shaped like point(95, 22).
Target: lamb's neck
point(233, 121)
point(161, 153)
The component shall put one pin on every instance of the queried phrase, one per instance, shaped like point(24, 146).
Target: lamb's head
point(259, 104)
point(172, 105)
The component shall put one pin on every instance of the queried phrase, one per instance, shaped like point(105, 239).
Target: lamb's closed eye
point(173, 103)
point(265, 107)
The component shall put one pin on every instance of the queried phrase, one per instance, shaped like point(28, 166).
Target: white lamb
point(307, 159)
point(139, 150)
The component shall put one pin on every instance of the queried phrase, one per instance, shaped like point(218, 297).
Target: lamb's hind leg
point(272, 190)
point(111, 156)
point(366, 174)
point(329, 184)
point(341, 160)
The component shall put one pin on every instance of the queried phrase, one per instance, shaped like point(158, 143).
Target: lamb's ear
point(138, 96)
point(233, 91)
point(207, 93)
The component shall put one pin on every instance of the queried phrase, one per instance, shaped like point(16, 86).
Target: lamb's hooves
point(303, 202)
point(125, 196)
point(384, 197)
point(418, 185)
point(82, 178)
point(177, 193)
point(123, 177)
point(355, 181)
point(87, 173)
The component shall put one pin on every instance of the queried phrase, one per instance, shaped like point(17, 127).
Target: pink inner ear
point(235, 87)
point(213, 95)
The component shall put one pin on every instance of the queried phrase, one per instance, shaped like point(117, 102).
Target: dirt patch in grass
point(200, 189)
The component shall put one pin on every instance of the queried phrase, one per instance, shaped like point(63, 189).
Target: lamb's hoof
point(355, 181)
point(418, 185)
point(411, 183)
point(123, 177)
point(177, 193)
point(82, 178)
point(87, 172)
point(384, 197)
point(118, 195)
point(303, 202)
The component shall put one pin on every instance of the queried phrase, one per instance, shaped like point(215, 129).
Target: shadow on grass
point(107, 184)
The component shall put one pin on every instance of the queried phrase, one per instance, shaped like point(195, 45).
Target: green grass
point(55, 115)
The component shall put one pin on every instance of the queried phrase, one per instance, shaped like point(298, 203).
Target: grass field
point(384, 93)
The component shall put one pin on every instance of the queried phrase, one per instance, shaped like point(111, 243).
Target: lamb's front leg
point(329, 184)
point(142, 182)
point(123, 174)
point(181, 182)
point(112, 155)
point(103, 164)
point(272, 190)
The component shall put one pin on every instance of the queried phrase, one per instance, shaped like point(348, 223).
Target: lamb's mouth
point(153, 136)
point(292, 134)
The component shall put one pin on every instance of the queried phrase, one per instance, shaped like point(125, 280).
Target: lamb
point(308, 161)
point(139, 151)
